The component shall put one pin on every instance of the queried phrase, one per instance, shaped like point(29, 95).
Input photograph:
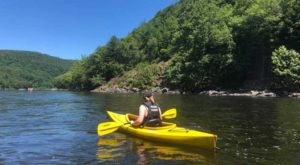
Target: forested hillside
point(197, 45)
point(23, 69)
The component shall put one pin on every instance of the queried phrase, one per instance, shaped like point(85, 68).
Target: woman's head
point(148, 96)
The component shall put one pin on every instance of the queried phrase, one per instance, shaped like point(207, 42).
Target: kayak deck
point(168, 132)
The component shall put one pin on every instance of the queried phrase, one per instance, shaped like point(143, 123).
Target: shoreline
point(243, 93)
point(33, 89)
point(236, 93)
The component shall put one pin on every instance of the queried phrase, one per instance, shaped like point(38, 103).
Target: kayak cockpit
point(164, 125)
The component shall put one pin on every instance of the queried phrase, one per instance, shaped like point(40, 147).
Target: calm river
point(47, 127)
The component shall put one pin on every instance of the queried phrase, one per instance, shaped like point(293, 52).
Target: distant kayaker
point(149, 112)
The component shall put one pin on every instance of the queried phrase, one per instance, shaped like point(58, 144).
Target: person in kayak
point(149, 112)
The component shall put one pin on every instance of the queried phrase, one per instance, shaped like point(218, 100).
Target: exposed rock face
point(294, 95)
point(165, 90)
point(250, 93)
point(104, 89)
point(136, 89)
point(116, 89)
point(266, 94)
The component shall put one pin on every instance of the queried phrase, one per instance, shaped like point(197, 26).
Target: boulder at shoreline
point(165, 90)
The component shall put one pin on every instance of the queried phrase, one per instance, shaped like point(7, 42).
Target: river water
point(59, 127)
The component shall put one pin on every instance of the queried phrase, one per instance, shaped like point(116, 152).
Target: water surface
point(55, 127)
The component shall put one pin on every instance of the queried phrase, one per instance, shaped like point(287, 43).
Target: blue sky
point(70, 29)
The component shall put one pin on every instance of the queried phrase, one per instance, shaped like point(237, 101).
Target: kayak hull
point(167, 133)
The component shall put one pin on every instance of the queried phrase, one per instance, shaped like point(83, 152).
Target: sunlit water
point(47, 127)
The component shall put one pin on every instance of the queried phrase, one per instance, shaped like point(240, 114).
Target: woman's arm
point(160, 114)
point(142, 114)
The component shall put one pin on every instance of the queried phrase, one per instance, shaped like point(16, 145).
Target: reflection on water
point(110, 147)
point(114, 146)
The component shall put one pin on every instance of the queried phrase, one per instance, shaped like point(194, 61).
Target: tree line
point(23, 69)
point(202, 44)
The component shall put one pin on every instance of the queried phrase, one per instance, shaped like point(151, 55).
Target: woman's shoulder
point(143, 106)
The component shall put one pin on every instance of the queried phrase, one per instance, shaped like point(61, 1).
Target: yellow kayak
point(167, 132)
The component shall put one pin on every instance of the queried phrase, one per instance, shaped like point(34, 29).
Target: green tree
point(286, 64)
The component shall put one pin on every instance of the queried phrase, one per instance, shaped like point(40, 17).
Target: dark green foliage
point(290, 32)
point(286, 67)
point(23, 69)
point(255, 29)
point(203, 47)
point(207, 44)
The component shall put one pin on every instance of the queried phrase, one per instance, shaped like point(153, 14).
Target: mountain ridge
point(23, 69)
